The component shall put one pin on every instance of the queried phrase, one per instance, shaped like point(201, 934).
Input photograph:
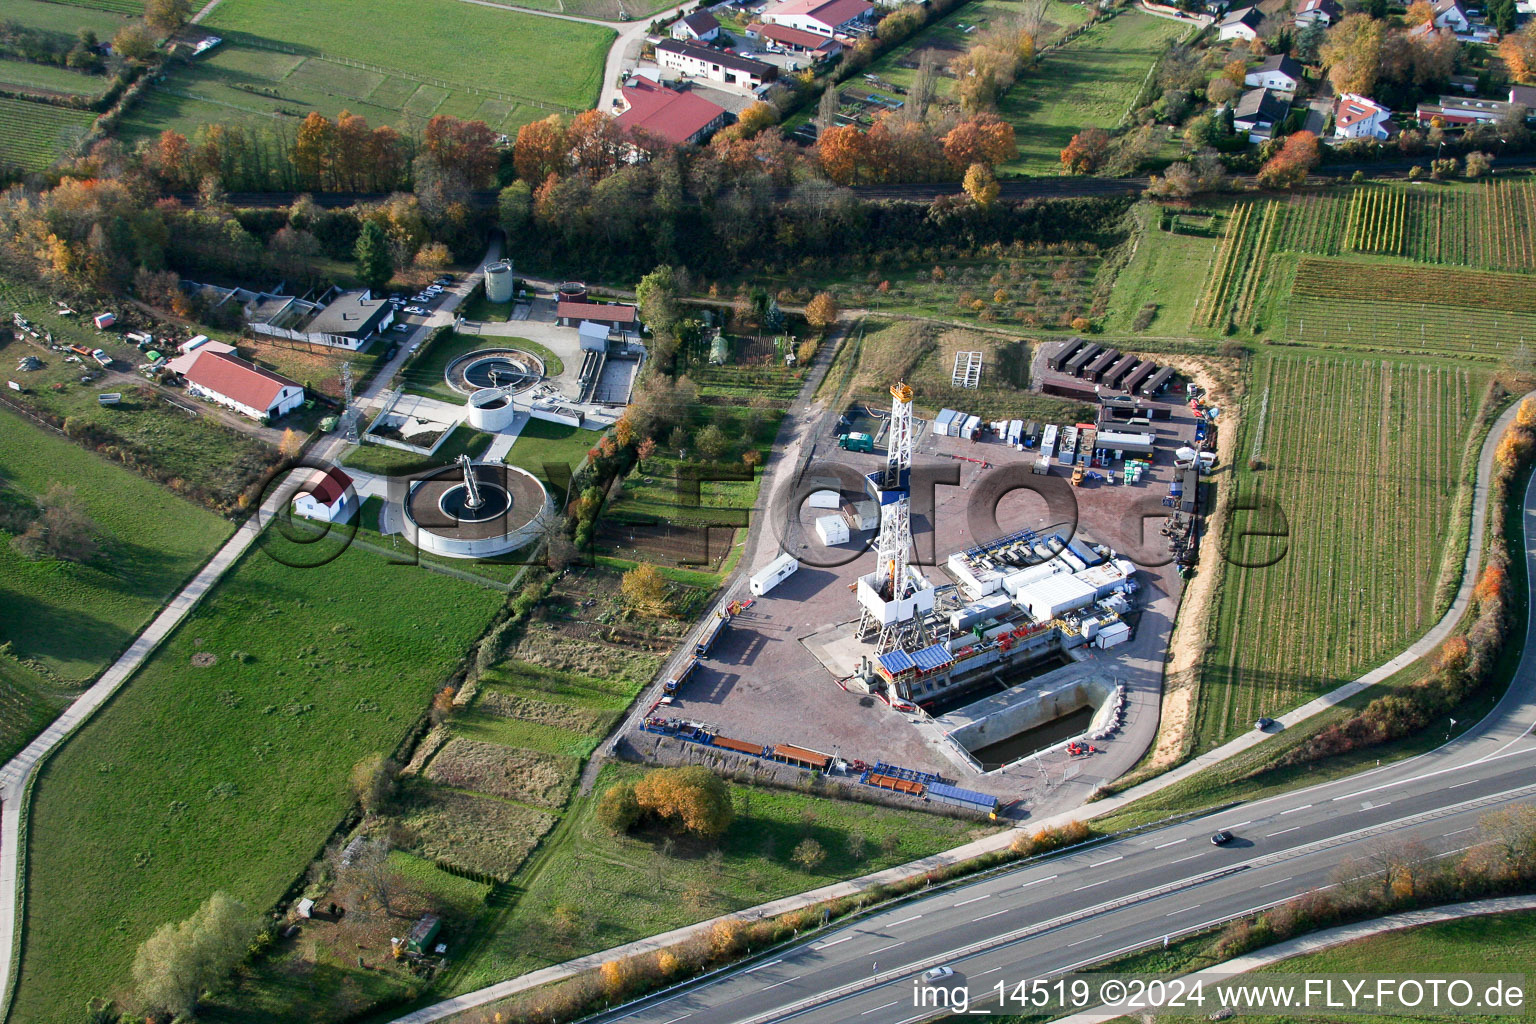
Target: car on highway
point(415, 311)
point(1221, 838)
point(933, 974)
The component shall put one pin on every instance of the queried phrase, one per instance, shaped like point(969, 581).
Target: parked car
point(446, 279)
point(415, 311)
point(402, 327)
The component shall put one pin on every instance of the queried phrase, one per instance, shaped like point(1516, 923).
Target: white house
point(350, 321)
point(328, 496)
point(1279, 73)
point(1356, 117)
point(823, 17)
point(1258, 111)
point(1242, 23)
point(1450, 14)
point(699, 27)
point(242, 386)
point(1318, 12)
point(716, 65)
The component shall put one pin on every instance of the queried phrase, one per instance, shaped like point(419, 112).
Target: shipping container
point(1116, 373)
point(1054, 596)
point(861, 515)
point(772, 574)
point(1016, 581)
point(1101, 364)
point(1031, 433)
point(989, 607)
point(711, 633)
point(1065, 351)
point(1079, 362)
point(824, 499)
point(1084, 552)
point(1134, 379)
point(832, 530)
point(1159, 380)
point(1111, 635)
point(1048, 441)
point(942, 421)
point(1125, 441)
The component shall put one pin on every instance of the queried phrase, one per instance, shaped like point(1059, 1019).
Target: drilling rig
point(894, 600)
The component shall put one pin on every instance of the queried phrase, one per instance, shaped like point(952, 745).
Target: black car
point(1221, 838)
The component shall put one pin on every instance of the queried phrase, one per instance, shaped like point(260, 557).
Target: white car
point(415, 311)
point(402, 327)
point(933, 974)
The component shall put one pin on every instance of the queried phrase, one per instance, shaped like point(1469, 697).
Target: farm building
point(330, 497)
point(1279, 73)
point(1257, 113)
point(1242, 23)
point(228, 380)
point(796, 40)
point(621, 319)
point(194, 348)
point(700, 26)
point(1318, 12)
point(822, 17)
point(714, 65)
point(677, 117)
point(1356, 117)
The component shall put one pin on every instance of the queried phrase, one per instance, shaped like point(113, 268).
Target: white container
point(1054, 596)
point(772, 574)
point(832, 530)
point(1017, 581)
point(862, 515)
point(824, 499)
point(1112, 635)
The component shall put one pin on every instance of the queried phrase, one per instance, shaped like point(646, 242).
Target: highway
point(1066, 911)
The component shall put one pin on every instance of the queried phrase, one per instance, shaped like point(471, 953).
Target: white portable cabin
point(1016, 433)
point(825, 499)
point(832, 530)
point(1109, 636)
point(972, 427)
point(772, 574)
point(861, 515)
point(1042, 465)
point(1048, 440)
point(1016, 581)
point(1053, 596)
point(942, 421)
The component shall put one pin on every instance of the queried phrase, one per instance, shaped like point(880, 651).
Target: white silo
point(490, 409)
point(498, 281)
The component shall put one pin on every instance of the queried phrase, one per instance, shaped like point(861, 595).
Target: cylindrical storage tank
point(498, 281)
point(490, 409)
point(573, 291)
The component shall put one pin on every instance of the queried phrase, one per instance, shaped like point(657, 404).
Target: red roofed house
point(823, 17)
point(794, 40)
point(623, 319)
point(678, 117)
point(244, 387)
point(1356, 117)
point(328, 496)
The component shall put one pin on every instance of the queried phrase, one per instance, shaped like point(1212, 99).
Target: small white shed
point(832, 530)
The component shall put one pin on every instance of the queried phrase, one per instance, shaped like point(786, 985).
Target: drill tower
point(893, 599)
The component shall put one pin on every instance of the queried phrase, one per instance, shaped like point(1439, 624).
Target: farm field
point(1091, 81)
point(46, 78)
point(1162, 278)
point(169, 793)
point(1326, 601)
point(104, 17)
point(270, 66)
point(66, 619)
point(34, 135)
point(620, 887)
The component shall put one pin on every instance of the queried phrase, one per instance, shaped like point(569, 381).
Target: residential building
point(1318, 12)
point(328, 496)
point(350, 320)
point(1280, 73)
point(1258, 112)
point(1460, 111)
point(1452, 15)
point(678, 117)
point(794, 40)
point(823, 17)
point(190, 350)
point(714, 65)
point(242, 386)
point(621, 319)
point(1242, 23)
point(700, 27)
point(1357, 117)
point(1525, 96)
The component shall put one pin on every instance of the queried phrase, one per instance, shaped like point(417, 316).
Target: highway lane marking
point(674, 1020)
point(1090, 885)
point(1460, 784)
point(1176, 842)
point(759, 967)
point(905, 920)
point(882, 1006)
point(1090, 938)
point(989, 970)
point(1181, 860)
point(1277, 881)
point(1293, 810)
point(1110, 861)
point(1445, 835)
point(834, 942)
point(974, 899)
point(1183, 910)
point(1294, 828)
point(975, 919)
point(882, 949)
point(909, 1020)
point(1037, 881)
point(1241, 824)
point(776, 984)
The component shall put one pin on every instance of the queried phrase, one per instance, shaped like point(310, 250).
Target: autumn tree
point(373, 782)
point(1086, 151)
point(618, 808)
point(313, 148)
point(166, 16)
point(808, 855)
point(821, 312)
point(843, 153)
point(644, 588)
point(985, 138)
point(375, 265)
point(134, 42)
point(174, 966)
point(541, 150)
point(692, 799)
point(1518, 51)
point(1352, 52)
point(468, 147)
point(644, 450)
point(756, 117)
point(981, 185)
point(1290, 166)
point(657, 297)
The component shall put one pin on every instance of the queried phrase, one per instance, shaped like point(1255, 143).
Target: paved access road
point(1064, 912)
